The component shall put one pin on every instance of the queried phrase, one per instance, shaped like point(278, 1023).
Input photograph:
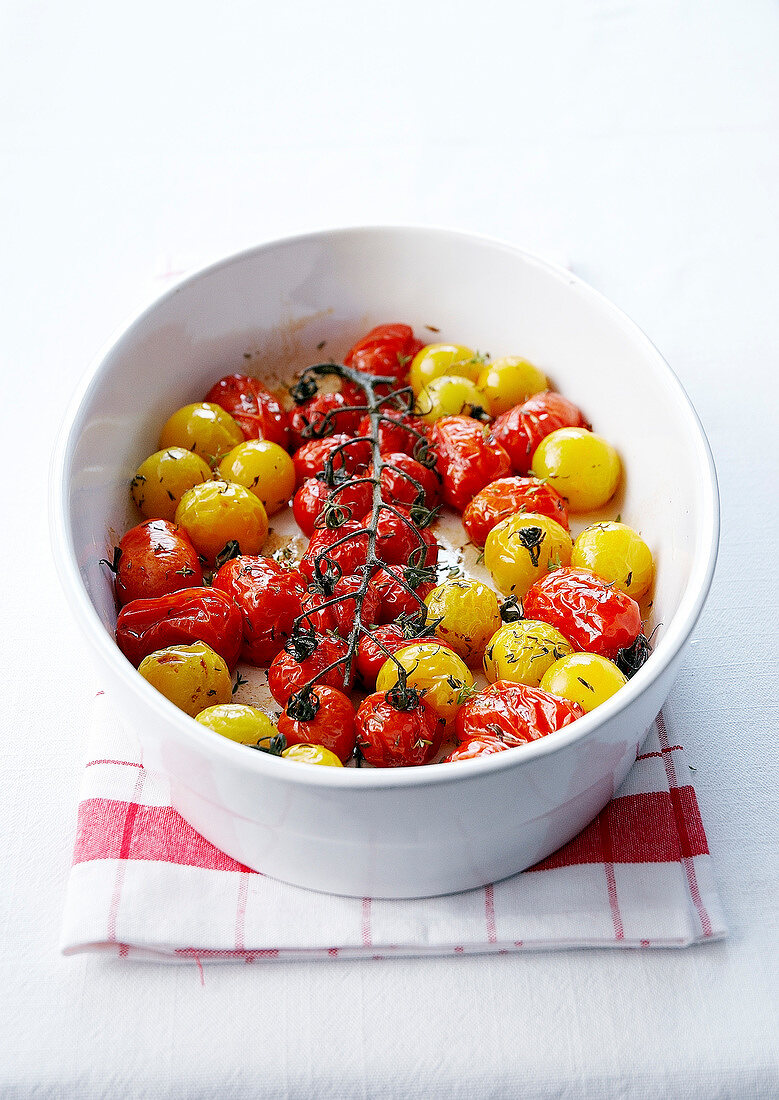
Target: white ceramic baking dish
point(412, 831)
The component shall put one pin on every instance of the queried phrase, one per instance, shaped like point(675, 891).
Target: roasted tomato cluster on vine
point(373, 646)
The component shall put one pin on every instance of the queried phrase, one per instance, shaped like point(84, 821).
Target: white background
point(637, 141)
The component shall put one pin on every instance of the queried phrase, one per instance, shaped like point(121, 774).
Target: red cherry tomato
point(337, 611)
point(155, 559)
point(399, 432)
point(514, 713)
point(310, 459)
point(398, 539)
point(506, 497)
point(312, 496)
point(593, 615)
point(321, 716)
point(385, 350)
point(522, 428)
point(270, 598)
point(398, 479)
point(468, 458)
point(345, 546)
point(253, 406)
point(372, 650)
point(483, 745)
point(192, 615)
point(320, 417)
point(396, 590)
point(392, 738)
point(287, 675)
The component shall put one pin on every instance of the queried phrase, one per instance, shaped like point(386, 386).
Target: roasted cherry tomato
point(522, 428)
point(322, 416)
point(506, 497)
point(466, 615)
point(287, 674)
point(449, 395)
point(402, 591)
point(192, 677)
point(397, 734)
point(320, 715)
point(345, 453)
point(584, 467)
point(311, 502)
point(437, 359)
point(312, 754)
point(468, 459)
point(155, 559)
point(192, 615)
point(264, 468)
point(584, 678)
point(385, 350)
point(523, 651)
point(592, 615)
point(399, 432)
point(162, 479)
point(270, 598)
point(403, 480)
point(514, 712)
point(343, 548)
point(253, 406)
point(334, 607)
point(398, 539)
point(617, 554)
point(509, 381)
point(373, 649)
point(217, 513)
point(204, 428)
point(483, 745)
point(241, 723)
point(523, 548)
point(439, 675)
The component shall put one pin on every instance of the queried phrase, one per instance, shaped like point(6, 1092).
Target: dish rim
point(361, 779)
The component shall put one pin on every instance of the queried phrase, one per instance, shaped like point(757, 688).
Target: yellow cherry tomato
point(161, 481)
point(523, 651)
point(238, 722)
point(523, 548)
point(312, 754)
point(469, 616)
point(192, 676)
point(204, 428)
point(440, 677)
point(219, 512)
point(437, 359)
point(617, 554)
point(581, 466)
point(448, 395)
point(510, 381)
point(584, 678)
point(264, 468)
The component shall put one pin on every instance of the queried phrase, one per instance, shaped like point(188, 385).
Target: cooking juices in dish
point(373, 651)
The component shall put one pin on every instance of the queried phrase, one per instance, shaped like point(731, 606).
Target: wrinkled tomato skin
point(350, 556)
point(370, 655)
point(386, 350)
point(340, 615)
point(157, 558)
point(311, 497)
point(468, 459)
point(390, 738)
point(522, 428)
point(332, 726)
point(269, 597)
point(320, 416)
point(253, 406)
point(506, 497)
point(481, 745)
point(286, 675)
point(310, 459)
point(395, 597)
point(595, 616)
point(397, 537)
point(191, 615)
point(397, 485)
point(397, 431)
point(514, 713)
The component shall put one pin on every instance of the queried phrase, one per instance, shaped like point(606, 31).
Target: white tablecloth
point(641, 142)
